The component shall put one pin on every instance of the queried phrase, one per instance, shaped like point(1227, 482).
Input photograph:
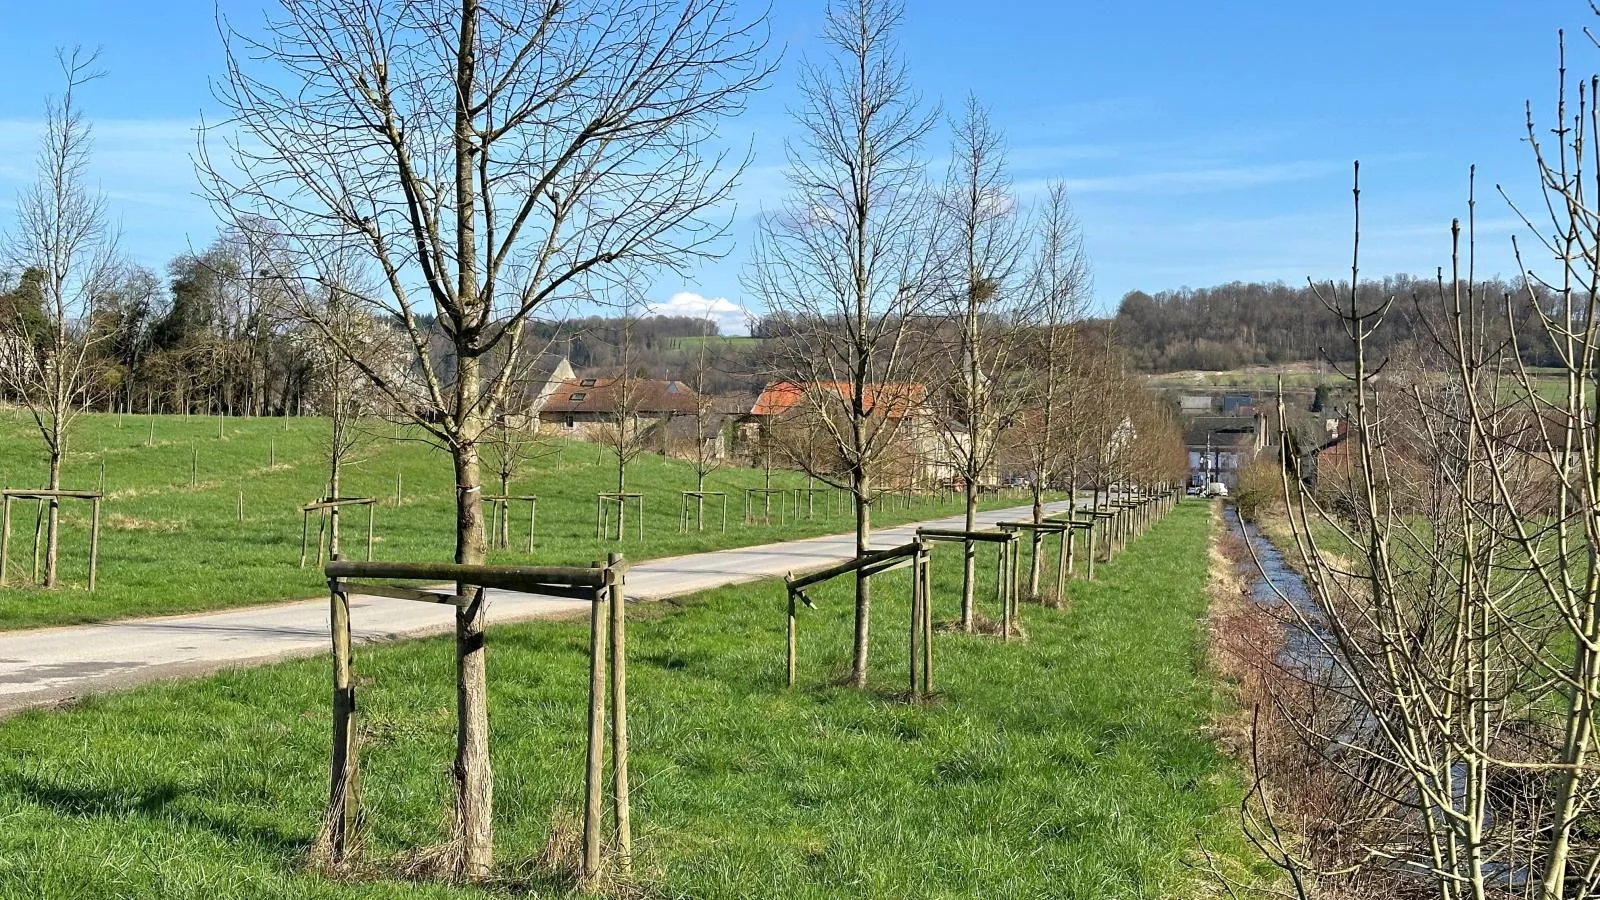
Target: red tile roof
point(781, 396)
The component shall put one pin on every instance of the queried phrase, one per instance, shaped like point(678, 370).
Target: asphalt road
point(50, 666)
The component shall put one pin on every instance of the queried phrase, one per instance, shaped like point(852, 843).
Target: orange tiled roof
point(781, 396)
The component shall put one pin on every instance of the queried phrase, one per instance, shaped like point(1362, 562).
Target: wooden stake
point(344, 798)
point(916, 621)
point(5, 537)
point(38, 524)
point(927, 624)
point(623, 835)
point(94, 544)
point(792, 643)
point(595, 756)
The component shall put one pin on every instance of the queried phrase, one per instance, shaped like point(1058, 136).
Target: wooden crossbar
point(955, 534)
point(27, 494)
point(862, 561)
point(528, 579)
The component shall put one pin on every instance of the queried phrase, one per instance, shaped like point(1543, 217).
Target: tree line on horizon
point(1256, 323)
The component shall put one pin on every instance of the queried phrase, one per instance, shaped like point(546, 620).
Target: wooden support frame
point(700, 514)
point(1006, 581)
point(601, 584)
point(328, 508)
point(810, 495)
point(1037, 531)
point(766, 495)
point(501, 517)
point(920, 645)
point(9, 495)
point(602, 512)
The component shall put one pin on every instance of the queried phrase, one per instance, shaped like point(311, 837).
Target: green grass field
point(1073, 765)
point(171, 543)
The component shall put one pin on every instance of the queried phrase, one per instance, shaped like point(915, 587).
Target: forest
point(1271, 323)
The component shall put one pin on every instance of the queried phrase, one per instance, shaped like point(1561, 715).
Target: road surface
point(48, 666)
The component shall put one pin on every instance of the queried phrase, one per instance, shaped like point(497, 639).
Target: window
point(577, 397)
point(571, 423)
point(587, 382)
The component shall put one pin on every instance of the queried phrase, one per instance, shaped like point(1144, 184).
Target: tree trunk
point(52, 540)
point(474, 778)
point(333, 494)
point(858, 660)
point(969, 557)
point(1035, 540)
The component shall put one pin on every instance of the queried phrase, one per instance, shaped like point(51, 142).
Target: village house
point(919, 458)
point(577, 406)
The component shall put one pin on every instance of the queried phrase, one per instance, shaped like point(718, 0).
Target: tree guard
point(601, 584)
point(604, 501)
point(697, 499)
point(501, 514)
point(876, 562)
point(809, 494)
point(1005, 577)
point(1037, 532)
point(326, 508)
point(47, 496)
point(766, 495)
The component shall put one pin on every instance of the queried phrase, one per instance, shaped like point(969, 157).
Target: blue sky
point(1202, 141)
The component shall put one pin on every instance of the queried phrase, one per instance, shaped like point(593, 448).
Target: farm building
point(578, 405)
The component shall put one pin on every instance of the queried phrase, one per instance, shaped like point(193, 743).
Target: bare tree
point(988, 239)
point(1454, 610)
point(1058, 288)
point(849, 259)
point(624, 432)
point(66, 251)
point(490, 159)
point(341, 394)
point(708, 451)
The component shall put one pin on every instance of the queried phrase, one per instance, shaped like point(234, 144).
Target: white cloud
point(731, 318)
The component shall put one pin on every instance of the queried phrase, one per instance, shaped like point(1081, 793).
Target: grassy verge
point(1075, 764)
point(172, 542)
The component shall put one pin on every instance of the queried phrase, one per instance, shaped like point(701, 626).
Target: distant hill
point(1241, 324)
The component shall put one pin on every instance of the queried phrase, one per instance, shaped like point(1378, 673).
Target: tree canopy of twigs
point(485, 159)
point(850, 260)
point(982, 391)
point(65, 248)
point(1449, 731)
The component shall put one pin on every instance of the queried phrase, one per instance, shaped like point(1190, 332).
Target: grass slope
point(172, 544)
point(1073, 765)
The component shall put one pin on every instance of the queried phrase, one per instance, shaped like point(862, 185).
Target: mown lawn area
point(173, 543)
point(1075, 764)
